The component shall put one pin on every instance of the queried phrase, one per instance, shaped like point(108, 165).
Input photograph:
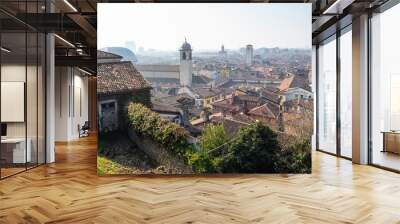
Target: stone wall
point(160, 154)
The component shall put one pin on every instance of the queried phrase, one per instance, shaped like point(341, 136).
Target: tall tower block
point(222, 52)
point(185, 68)
point(249, 55)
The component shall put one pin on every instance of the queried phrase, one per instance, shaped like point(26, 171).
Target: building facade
point(186, 64)
point(249, 55)
point(119, 83)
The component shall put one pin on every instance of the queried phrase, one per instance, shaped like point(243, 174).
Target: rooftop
point(201, 79)
point(119, 77)
point(166, 108)
point(270, 96)
point(266, 110)
point(107, 55)
point(293, 81)
point(207, 92)
point(175, 100)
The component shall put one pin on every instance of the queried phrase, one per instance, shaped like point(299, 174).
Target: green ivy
point(142, 96)
point(168, 134)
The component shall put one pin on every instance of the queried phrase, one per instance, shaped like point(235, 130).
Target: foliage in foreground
point(254, 151)
point(168, 134)
point(255, 148)
point(213, 136)
point(107, 166)
point(201, 162)
point(295, 159)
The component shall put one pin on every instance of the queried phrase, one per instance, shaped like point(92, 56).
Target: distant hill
point(127, 55)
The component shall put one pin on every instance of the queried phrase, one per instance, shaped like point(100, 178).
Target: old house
point(267, 113)
point(293, 81)
point(118, 84)
point(206, 96)
point(297, 93)
point(225, 106)
point(168, 112)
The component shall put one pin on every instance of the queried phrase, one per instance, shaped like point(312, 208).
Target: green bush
point(168, 134)
point(202, 162)
point(295, 159)
point(213, 136)
point(255, 148)
point(254, 151)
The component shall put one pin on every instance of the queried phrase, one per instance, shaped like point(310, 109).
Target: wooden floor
point(69, 191)
point(5, 172)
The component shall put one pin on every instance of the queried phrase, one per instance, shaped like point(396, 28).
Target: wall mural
point(204, 88)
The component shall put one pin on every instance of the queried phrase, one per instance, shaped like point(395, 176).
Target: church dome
point(186, 46)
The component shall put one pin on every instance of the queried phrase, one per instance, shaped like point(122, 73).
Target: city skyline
point(205, 33)
point(214, 50)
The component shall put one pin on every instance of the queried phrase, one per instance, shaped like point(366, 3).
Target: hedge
point(170, 135)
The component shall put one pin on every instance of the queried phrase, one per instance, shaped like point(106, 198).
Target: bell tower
point(185, 68)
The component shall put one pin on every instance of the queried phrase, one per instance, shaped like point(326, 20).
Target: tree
point(295, 159)
point(205, 161)
point(254, 151)
point(213, 136)
point(201, 162)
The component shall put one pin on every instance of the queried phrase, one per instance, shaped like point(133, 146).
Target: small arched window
point(184, 55)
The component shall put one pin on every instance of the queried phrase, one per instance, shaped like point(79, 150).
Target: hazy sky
point(206, 26)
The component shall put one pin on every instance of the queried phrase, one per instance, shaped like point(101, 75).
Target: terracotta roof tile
point(293, 81)
point(207, 92)
point(286, 83)
point(119, 77)
point(268, 110)
point(162, 107)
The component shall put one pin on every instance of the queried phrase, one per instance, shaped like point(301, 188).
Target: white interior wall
point(70, 83)
point(62, 81)
point(80, 89)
